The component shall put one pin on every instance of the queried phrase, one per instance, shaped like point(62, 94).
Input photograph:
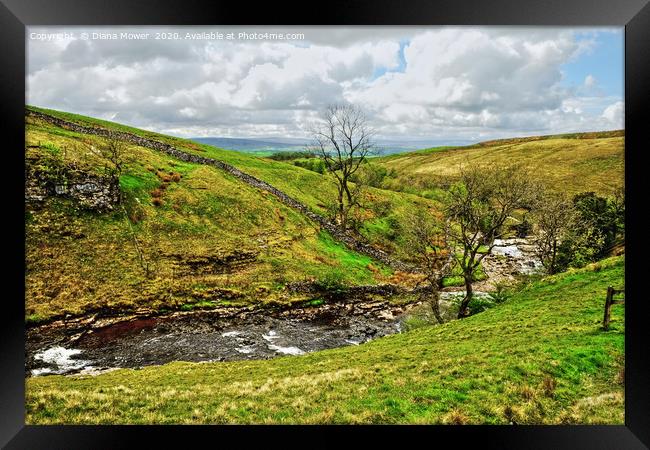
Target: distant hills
point(252, 145)
point(267, 146)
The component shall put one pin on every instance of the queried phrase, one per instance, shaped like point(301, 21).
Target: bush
point(288, 156)
point(371, 175)
point(333, 282)
point(501, 293)
point(479, 304)
point(602, 221)
point(314, 164)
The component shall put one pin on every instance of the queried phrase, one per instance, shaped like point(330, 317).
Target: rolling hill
point(573, 162)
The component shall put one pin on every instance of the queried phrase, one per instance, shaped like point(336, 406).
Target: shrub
point(287, 156)
point(524, 228)
point(333, 282)
point(479, 304)
point(501, 293)
point(315, 302)
point(371, 175)
point(314, 164)
point(600, 224)
point(156, 201)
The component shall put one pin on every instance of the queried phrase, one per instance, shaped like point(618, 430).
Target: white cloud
point(614, 114)
point(457, 82)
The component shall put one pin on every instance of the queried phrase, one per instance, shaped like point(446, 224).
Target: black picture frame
point(634, 15)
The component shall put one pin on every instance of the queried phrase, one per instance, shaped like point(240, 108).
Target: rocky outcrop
point(91, 191)
point(352, 242)
point(212, 264)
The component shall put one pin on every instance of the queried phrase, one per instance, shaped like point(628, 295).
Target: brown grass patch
point(548, 386)
point(455, 417)
point(528, 393)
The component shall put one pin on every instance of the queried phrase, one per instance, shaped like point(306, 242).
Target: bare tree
point(344, 141)
point(479, 204)
point(114, 151)
point(555, 221)
point(427, 241)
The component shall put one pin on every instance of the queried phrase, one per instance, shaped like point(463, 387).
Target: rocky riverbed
point(206, 336)
point(508, 260)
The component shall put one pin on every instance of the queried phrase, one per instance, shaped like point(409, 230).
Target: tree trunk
point(348, 194)
point(341, 208)
point(435, 304)
point(462, 310)
point(553, 257)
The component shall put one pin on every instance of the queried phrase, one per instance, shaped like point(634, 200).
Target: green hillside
point(574, 163)
point(305, 185)
point(207, 238)
point(540, 357)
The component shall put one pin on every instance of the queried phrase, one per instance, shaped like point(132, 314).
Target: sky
point(437, 84)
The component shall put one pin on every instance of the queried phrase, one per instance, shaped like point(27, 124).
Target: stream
point(205, 336)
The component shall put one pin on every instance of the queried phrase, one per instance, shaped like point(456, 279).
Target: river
point(206, 336)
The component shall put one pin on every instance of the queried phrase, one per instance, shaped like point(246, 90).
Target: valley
point(199, 263)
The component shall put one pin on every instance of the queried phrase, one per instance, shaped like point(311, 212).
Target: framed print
point(408, 215)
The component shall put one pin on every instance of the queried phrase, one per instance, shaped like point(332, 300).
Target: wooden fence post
point(609, 301)
point(608, 307)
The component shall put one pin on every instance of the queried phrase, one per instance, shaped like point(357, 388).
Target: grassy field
point(539, 357)
point(573, 163)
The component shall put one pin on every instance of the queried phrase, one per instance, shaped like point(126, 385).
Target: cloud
point(436, 82)
point(614, 113)
point(590, 81)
